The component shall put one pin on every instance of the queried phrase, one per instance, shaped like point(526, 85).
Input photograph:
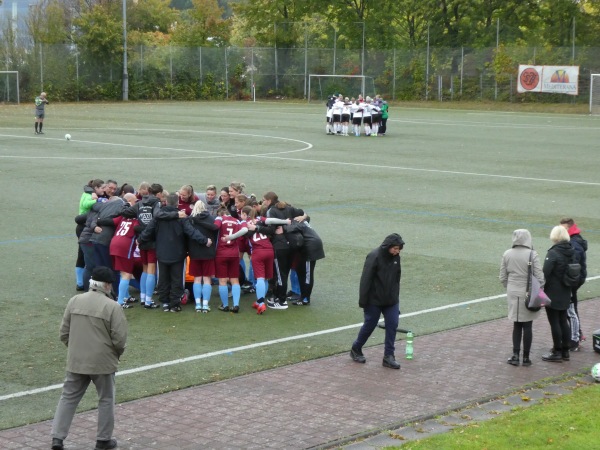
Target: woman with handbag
point(557, 261)
point(518, 265)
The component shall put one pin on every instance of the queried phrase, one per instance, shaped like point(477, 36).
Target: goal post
point(595, 93)
point(322, 86)
point(9, 86)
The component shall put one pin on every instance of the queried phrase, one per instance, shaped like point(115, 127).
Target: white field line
point(260, 344)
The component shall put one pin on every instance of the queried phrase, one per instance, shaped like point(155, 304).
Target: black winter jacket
point(144, 211)
point(555, 266)
point(205, 224)
point(380, 279)
point(280, 241)
point(169, 232)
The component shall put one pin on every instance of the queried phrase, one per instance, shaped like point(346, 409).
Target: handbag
point(535, 298)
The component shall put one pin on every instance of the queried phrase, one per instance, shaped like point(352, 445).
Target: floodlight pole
point(125, 75)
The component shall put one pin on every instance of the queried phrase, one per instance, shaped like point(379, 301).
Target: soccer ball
point(596, 372)
point(68, 137)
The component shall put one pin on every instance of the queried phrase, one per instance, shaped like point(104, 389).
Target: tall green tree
point(202, 25)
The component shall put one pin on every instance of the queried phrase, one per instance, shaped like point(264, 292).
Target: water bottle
point(409, 345)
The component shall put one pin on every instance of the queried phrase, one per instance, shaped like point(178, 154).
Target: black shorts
point(367, 120)
point(376, 118)
point(345, 118)
point(336, 118)
point(356, 120)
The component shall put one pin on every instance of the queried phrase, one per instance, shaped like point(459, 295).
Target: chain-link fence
point(178, 73)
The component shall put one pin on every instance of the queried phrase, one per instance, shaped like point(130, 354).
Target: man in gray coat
point(94, 330)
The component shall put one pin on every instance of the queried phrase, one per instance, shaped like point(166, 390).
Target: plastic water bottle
point(409, 345)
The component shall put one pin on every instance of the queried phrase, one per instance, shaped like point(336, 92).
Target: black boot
point(526, 360)
point(514, 359)
point(57, 444)
point(390, 361)
point(357, 355)
point(565, 355)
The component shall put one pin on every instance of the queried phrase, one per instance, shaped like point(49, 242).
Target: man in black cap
point(94, 330)
point(380, 294)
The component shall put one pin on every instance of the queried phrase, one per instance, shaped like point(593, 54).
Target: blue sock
point(197, 291)
point(236, 291)
point(294, 281)
point(143, 279)
point(206, 291)
point(123, 290)
point(251, 278)
point(224, 293)
point(150, 285)
point(134, 283)
point(79, 276)
point(261, 288)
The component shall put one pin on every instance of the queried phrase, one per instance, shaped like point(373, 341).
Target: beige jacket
point(94, 329)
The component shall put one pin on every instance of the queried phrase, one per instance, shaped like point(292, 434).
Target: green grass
point(567, 422)
point(453, 183)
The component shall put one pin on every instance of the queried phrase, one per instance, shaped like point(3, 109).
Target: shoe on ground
point(224, 308)
point(301, 302)
point(357, 355)
point(151, 305)
point(513, 360)
point(255, 305)
point(198, 308)
point(291, 295)
point(390, 362)
point(275, 304)
point(131, 300)
point(166, 307)
point(176, 308)
point(79, 288)
point(526, 362)
point(57, 444)
point(565, 355)
point(126, 306)
point(106, 445)
point(235, 309)
point(261, 308)
point(552, 357)
point(205, 309)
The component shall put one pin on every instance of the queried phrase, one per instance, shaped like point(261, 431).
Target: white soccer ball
point(596, 372)
point(68, 137)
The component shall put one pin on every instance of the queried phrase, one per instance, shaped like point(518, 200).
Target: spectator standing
point(514, 272)
point(94, 329)
point(379, 294)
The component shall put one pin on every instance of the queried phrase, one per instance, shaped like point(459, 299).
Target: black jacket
point(280, 241)
point(144, 211)
point(205, 224)
point(580, 246)
point(555, 266)
point(312, 245)
point(169, 232)
point(380, 279)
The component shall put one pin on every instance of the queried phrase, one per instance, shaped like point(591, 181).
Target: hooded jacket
point(144, 211)
point(380, 279)
point(580, 246)
point(513, 275)
point(558, 257)
point(282, 211)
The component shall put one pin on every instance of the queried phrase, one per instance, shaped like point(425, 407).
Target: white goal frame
point(595, 102)
point(314, 75)
point(16, 72)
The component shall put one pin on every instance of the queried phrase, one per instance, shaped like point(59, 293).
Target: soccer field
point(454, 184)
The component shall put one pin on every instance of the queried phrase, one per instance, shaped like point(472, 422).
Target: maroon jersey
point(259, 241)
point(227, 226)
point(187, 206)
point(123, 242)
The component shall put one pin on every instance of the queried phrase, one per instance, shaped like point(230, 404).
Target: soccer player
point(227, 262)
point(40, 104)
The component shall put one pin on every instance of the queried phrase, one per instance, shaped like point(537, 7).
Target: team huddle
point(369, 115)
point(157, 241)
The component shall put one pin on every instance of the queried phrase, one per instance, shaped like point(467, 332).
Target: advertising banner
point(551, 79)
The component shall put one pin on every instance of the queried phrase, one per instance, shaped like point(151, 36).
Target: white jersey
point(367, 110)
point(357, 110)
point(337, 107)
point(346, 108)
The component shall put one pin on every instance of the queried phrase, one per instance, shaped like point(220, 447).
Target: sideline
point(259, 344)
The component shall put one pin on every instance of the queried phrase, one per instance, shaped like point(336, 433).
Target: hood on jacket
point(522, 238)
point(88, 189)
point(149, 200)
point(391, 241)
point(574, 229)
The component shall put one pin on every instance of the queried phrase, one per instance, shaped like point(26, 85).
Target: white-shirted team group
point(368, 115)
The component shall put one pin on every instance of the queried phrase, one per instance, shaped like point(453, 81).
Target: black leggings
point(560, 328)
point(524, 330)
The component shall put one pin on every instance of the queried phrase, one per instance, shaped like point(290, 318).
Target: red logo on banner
point(529, 78)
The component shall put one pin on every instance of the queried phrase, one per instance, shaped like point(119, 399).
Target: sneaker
point(292, 296)
point(357, 355)
point(261, 308)
point(79, 288)
point(206, 309)
point(255, 305)
point(513, 360)
point(131, 300)
point(151, 305)
point(57, 444)
point(249, 290)
point(126, 306)
point(301, 302)
point(224, 308)
point(526, 362)
point(184, 297)
point(166, 307)
point(198, 308)
point(176, 308)
point(390, 362)
point(552, 357)
point(565, 355)
point(274, 304)
point(106, 445)
point(235, 309)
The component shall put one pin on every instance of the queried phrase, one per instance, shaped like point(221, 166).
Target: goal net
point(595, 93)
point(9, 86)
point(320, 87)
